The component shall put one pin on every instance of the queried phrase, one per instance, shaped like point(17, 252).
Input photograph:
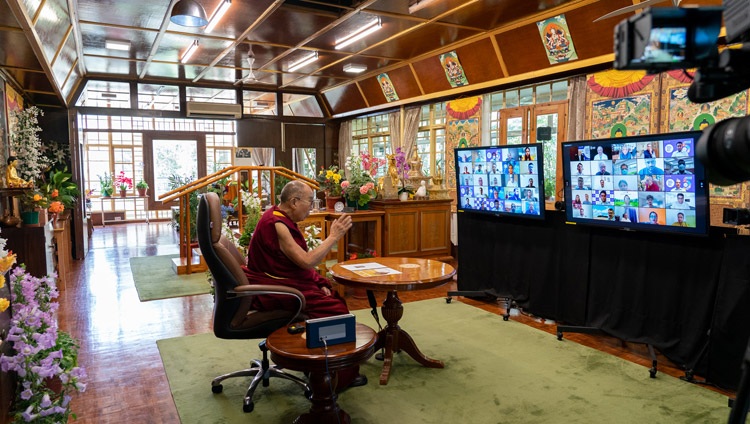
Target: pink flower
point(364, 189)
point(344, 184)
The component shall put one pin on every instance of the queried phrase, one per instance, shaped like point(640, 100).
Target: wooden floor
point(126, 380)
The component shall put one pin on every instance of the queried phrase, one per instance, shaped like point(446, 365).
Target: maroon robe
point(267, 264)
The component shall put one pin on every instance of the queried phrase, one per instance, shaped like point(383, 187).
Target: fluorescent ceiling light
point(359, 34)
point(217, 15)
point(189, 52)
point(354, 68)
point(117, 45)
point(415, 5)
point(312, 57)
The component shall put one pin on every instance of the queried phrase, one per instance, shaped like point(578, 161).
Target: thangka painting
point(388, 91)
point(684, 115)
point(463, 129)
point(626, 116)
point(557, 41)
point(453, 69)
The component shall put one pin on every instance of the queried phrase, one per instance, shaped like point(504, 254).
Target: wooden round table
point(414, 274)
point(290, 351)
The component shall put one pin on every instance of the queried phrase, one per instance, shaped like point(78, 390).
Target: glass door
point(182, 156)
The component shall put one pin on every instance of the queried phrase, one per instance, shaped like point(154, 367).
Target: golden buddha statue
point(12, 180)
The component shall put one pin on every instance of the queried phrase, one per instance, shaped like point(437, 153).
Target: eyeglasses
point(307, 200)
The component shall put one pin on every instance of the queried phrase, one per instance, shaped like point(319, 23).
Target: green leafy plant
point(60, 187)
point(176, 181)
point(106, 184)
point(141, 185)
point(32, 199)
point(253, 213)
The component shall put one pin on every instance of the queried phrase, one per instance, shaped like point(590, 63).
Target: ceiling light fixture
point(416, 5)
point(359, 34)
point(188, 13)
point(312, 57)
point(354, 68)
point(189, 52)
point(117, 45)
point(217, 15)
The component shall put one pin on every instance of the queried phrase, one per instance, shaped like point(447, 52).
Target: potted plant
point(329, 181)
point(402, 167)
point(359, 187)
point(106, 185)
point(123, 183)
point(46, 359)
point(61, 188)
point(25, 142)
point(33, 202)
point(142, 186)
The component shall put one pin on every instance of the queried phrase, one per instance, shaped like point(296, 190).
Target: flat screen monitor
point(501, 180)
point(649, 183)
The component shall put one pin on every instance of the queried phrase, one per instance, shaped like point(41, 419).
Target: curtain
point(345, 141)
point(411, 127)
point(577, 108)
point(394, 126)
point(262, 156)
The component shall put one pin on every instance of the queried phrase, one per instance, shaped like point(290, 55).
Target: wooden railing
point(234, 174)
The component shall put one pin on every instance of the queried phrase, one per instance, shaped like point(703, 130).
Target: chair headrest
point(214, 215)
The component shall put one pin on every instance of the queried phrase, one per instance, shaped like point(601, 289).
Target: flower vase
point(351, 203)
point(107, 192)
point(364, 207)
point(331, 202)
point(30, 218)
point(403, 196)
point(123, 193)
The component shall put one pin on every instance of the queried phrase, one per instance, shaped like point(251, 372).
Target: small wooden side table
point(415, 274)
point(290, 351)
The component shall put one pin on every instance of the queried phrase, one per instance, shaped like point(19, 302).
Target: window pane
point(543, 93)
point(515, 130)
point(105, 94)
point(527, 96)
point(173, 157)
point(511, 98)
point(550, 153)
point(211, 95)
point(258, 103)
point(560, 90)
point(301, 105)
point(158, 97)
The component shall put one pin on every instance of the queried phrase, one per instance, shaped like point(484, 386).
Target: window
point(304, 161)
point(258, 103)
point(371, 135)
point(158, 97)
point(431, 138)
point(105, 94)
point(211, 95)
point(301, 105)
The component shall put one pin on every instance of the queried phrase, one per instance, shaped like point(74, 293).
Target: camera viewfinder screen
point(501, 180)
point(651, 183)
point(665, 45)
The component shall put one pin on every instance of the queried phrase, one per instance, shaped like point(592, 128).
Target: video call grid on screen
point(501, 180)
point(637, 182)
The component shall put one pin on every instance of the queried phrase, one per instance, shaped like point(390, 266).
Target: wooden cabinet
point(416, 228)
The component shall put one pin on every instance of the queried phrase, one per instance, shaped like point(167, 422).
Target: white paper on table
point(370, 269)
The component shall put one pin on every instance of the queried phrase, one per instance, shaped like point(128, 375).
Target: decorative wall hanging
point(557, 41)
point(610, 117)
point(616, 84)
point(388, 91)
point(463, 129)
point(453, 69)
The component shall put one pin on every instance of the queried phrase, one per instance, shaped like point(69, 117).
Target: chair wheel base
point(217, 389)
point(248, 406)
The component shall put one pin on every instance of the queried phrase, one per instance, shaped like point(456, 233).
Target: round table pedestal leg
point(324, 409)
point(393, 339)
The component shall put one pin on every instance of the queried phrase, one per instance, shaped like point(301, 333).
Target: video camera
point(662, 39)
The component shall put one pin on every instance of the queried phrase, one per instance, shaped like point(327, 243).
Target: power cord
point(328, 373)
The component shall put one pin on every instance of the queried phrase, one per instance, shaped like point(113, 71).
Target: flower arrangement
point(123, 182)
point(25, 141)
point(329, 181)
point(7, 260)
point(60, 187)
point(252, 204)
point(368, 253)
point(141, 185)
point(56, 206)
point(311, 233)
point(402, 166)
point(43, 353)
point(32, 199)
point(359, 185)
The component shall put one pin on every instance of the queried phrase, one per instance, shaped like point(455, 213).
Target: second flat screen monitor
point(501, 180)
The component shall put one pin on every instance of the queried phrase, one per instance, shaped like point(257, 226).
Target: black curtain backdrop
point(665, 290)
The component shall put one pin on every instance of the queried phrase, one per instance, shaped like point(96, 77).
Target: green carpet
point(155, 279)
point(496, 372)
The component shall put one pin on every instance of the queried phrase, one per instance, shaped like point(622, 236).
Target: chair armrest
point(261, 289)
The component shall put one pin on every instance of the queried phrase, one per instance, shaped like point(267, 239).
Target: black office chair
point(233, 316)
